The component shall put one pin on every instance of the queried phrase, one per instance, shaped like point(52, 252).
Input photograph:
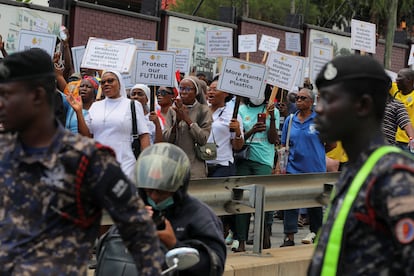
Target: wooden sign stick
point(272, 97)
point(152, 99)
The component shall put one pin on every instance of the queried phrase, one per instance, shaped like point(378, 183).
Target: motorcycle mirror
point(181, 258)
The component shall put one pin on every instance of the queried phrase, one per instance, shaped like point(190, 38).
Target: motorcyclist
point(162, 176)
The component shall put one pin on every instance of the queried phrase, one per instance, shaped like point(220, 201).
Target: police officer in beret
point(370, 222)
point(54, 184)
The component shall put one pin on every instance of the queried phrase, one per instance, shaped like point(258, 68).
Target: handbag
point(283, 153)
point(136, 143)
point(207, 151)
point(243, 153)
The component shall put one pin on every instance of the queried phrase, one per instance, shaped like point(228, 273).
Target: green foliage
point(24, 1)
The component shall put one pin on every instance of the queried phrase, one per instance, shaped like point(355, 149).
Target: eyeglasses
point(186, 89)
point(302, 98)
point(109, 81)
point(162, 92)
point(212, 89)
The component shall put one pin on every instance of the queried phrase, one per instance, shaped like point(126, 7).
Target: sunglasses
point(186, 89)
point(302, 98)
point(162, 92)
point(109, 81)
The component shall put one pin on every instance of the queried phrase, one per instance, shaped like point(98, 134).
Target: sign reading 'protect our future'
point(155, 68)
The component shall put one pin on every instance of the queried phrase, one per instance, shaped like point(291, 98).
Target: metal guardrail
point(282, 192)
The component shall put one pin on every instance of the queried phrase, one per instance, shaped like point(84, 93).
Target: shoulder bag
point(136, 144)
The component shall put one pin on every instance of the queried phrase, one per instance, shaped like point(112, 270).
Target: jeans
point(290, 220)
point(221, 171)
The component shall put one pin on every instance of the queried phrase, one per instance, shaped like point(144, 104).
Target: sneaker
point(235, 245)
point(309, 238)
point(229, 238)
point(287, 242)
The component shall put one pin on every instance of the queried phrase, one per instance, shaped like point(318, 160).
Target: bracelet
point(238, 137)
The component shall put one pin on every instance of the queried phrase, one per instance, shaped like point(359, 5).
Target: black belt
point(401, 144)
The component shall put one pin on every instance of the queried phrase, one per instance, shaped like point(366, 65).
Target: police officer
point(370, 223)
point(163, 174)
point(54, 184)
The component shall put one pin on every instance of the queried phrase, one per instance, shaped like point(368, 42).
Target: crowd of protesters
point(96, 104)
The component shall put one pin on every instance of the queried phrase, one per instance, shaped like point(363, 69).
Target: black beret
point(29, 64)
point(351, 67)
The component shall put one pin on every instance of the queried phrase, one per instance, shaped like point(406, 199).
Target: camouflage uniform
point(385, 247)
point(35, 238)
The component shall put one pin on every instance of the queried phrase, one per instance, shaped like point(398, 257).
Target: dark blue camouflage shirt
point(383, 248)
point(38, 186)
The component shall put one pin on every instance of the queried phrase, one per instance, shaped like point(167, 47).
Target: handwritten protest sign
point(219, 43)
point(363, 36)
point(319, 55)
point(282, 70)
point(293, 42)
point(29, 39)
point(155, 68)
point(242, 78)
point(108, 55)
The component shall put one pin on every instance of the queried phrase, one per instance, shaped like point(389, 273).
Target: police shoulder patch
point(404, 230)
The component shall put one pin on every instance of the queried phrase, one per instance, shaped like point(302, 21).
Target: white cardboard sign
point(143, 44)
point(219, 43)
point(363, 36)
point(247, 43)
point(29, 39)
point(155, 68)
point(182, 59)
point(269, 43)
point(282, 70)
point(77, 55)
point(411, 57)
point(242, 78)
point(104, 54)
point(319, 55)
point(293, 42)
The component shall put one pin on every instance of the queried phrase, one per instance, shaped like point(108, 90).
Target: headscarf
point(122, 90)
point(144, 88)
point(94, 82)
point(200, 96)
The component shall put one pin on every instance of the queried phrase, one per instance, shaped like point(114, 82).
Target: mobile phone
point(261, 118)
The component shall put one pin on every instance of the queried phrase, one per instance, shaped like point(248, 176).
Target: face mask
point(256, 101)
point(162, 205)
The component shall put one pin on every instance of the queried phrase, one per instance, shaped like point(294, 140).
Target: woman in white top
point(110, 121)
point(142, 94)
point(226, 132)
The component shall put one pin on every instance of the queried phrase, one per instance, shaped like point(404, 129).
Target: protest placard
point(247, 43)
point(269, 43)
point(143, 44)
point(30, 39)
point(104, 54)
point(293, 42)
point(411, 57)
point(363, 36)
point(319, 55)
point(282, 70)
point(182, 59)
point(77, 56)
point(242, 78)
point(155, 68)
point(219, 43)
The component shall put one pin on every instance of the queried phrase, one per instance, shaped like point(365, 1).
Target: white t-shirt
point(110, 123)
point(222, 135)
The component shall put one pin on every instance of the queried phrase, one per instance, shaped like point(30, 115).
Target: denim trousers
point(290, 220)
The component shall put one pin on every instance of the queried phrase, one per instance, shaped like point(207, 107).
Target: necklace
point(110, 111)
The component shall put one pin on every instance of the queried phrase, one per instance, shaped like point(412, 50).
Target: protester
point(163, 174)
point(142, 93)
point(261, 136)
point(87, 90)
point(109, 121)
point(55, 183)
point(403, 90)
point(189, 122)
point(369, 226)
point(306, 155)
point(165, 98)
